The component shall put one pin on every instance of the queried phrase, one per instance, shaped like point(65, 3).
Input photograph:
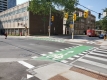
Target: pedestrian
point(5, 35)
point(104, 37)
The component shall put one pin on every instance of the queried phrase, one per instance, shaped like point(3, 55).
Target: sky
point(95, 5)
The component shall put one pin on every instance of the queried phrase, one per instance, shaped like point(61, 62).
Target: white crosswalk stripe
point(93, 63)
point(100, 51)
point(95, 60)
point(99, 54)
point(98, 58)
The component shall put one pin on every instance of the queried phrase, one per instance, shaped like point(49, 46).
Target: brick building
point(81, 24)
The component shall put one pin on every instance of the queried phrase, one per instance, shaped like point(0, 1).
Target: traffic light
point(52, 18)
point(99, 15)
point(74, 17)
point(66, 15)
point(85, 14)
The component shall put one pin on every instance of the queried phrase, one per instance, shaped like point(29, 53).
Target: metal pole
point(50, 22)
point(73, 30)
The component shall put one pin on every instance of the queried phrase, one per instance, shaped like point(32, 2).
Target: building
point(6, 4)
point(17, 20)
point(81, 24)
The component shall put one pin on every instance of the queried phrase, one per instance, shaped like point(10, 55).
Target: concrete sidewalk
point(98, 41)
point(60, 71)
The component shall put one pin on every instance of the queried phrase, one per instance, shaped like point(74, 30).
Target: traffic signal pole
point(49, 23)
point(73, 30)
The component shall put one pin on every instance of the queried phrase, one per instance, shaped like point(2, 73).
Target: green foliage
point(104, 21)
point(42, 7)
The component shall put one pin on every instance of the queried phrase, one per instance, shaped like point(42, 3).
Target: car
point(101, 36)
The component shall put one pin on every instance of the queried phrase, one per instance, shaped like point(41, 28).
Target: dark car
point(101, 36)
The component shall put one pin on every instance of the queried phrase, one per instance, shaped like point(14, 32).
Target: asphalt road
point(13, 50)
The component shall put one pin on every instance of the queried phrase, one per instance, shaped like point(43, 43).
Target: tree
point(99, 24)
point(42, 7)
point(104, 21)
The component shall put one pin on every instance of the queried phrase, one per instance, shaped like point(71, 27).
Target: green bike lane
point(65, 54)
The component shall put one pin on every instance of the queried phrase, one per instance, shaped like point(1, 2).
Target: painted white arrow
point(29, 76)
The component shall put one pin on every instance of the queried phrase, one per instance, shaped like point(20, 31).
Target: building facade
point(81, 24)
point(18, 20)
point(6, 4)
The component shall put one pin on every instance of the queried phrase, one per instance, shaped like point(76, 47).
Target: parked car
point(101, 36)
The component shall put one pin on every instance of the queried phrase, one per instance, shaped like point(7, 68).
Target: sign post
point(72, 28)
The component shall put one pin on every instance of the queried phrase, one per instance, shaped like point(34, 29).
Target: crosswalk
point(95, 61)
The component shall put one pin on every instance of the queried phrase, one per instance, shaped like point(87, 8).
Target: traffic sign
point(71, 22)
point(71, 26)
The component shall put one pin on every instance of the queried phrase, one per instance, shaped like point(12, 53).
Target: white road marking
point(43, 54)
point(93, 63)
point(29, 76)
point(71, 58)
point(26, 64)
point(57, 51)
point(64, 61)
point(81, 54)
point(61, 49)
point(34, 57)
point(96, 57)
point(84, 52)
point(76, 56)
point(66, 48)
point(50, 52)
point(70, 47)
point(99, 54)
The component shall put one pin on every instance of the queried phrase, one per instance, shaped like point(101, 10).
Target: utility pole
point(50, 23)
point(73, 30)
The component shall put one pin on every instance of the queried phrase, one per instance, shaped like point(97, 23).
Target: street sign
point(64, 21)
point(104, 14)
point(71, 22)
point(80, 14)
point(71, 26)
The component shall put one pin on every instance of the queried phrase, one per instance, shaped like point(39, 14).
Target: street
point(14, 50)
point(26, 58)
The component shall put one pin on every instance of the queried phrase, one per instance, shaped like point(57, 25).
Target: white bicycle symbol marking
point(58, 56)
point(55, 56)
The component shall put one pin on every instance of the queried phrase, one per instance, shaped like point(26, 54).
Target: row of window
point(14, 12)
point(16, 19)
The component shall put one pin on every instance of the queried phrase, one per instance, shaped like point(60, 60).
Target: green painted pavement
point(62, 55)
